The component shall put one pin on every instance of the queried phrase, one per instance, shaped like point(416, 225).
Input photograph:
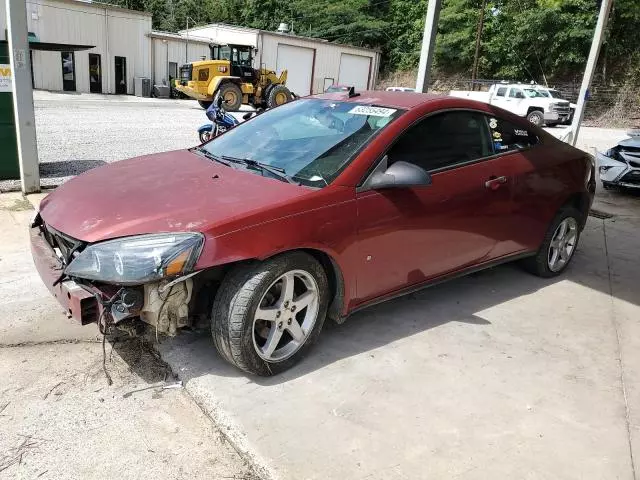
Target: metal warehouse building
point(95, 47)
point(85, 47)
point(313, 64)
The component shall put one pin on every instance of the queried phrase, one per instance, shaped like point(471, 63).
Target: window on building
point(509, 137)
point(444, 140)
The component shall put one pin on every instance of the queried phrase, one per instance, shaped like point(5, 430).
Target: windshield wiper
point(249, 162)
point(205, 153)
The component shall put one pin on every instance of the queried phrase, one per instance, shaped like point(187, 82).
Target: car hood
point(167, 192)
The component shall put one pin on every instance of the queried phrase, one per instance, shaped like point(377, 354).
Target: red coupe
point(315, 209)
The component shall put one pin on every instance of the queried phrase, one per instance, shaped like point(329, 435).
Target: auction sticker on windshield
point(372, 111)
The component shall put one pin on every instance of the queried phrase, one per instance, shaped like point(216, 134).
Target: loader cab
point(240, 58)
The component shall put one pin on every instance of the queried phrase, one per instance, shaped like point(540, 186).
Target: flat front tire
point(266, 315)
point(559, 245)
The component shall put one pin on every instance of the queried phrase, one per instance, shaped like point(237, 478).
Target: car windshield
point(555, 93)
point(531, 93)
point(310, 140)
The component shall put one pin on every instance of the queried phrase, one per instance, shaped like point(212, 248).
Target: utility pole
point(186, 45)
point(476, 57)
point(428, 44)
point(22, 95)
point(605, 8)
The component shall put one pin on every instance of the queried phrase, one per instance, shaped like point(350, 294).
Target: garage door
point(354, 71)
point(299, 63)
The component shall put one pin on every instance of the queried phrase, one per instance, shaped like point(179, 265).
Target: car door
point(409, 235)
point(533, 187)
point(500, 98)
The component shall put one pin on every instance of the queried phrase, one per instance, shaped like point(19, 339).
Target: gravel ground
point(77, 132)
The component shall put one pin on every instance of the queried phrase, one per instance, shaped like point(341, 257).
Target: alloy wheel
point(285, 316)
point(563, 244)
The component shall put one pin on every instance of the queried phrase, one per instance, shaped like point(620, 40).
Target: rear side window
point(508, 136)
point(501, 91)
point(444, 140)
point(516, 93)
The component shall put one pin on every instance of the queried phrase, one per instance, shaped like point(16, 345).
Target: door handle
point(494, 183)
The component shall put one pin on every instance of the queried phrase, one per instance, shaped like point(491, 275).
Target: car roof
point(405, 100)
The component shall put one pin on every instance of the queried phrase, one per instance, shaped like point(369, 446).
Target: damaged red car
point(313, 210)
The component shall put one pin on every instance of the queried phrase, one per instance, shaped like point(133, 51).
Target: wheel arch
point(581, 201)
point(217, 82)
point(214, 275)
point(532, 109)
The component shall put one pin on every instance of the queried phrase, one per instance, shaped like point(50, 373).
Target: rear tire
point(231, 96)
point(205, 103)
point(252, 310)
point(536, 117)
point(278, 95)
point(545, 263)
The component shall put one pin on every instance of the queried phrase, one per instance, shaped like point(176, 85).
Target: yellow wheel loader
point(230, 75)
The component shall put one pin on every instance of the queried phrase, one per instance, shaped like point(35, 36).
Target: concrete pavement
point(496, 375)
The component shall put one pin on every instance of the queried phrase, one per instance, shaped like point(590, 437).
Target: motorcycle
point(221, 120)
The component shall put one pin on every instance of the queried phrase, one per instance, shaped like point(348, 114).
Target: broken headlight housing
point(138, 259)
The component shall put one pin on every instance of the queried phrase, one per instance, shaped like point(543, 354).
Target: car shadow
point(456, 301)
point(462, 301)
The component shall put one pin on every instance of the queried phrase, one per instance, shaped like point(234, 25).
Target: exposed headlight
point(138, 259)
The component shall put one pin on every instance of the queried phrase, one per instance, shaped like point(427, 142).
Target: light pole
point(186, 46)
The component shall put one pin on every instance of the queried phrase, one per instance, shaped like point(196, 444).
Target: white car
point(400, 89)
point(553, 93)
point(523, 100)
point(620, 166)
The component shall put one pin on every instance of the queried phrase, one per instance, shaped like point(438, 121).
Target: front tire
point(536, 117)
point(278, 95)
point(267, 315)
point(559, 245)
point(231, 96)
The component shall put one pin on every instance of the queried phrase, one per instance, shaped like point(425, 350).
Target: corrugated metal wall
point(112, 31)
point(226, 34)
point(176, 53)
point(327, 58)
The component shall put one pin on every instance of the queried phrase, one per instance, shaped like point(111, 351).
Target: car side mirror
point(400, 175)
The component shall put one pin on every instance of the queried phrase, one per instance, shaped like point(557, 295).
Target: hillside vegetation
point(522, 39)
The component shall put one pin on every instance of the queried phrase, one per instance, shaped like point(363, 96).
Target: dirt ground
point(59, 419)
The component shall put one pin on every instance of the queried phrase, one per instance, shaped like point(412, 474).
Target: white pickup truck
point(523, 100)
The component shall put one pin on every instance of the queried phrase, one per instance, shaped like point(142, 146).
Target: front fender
point(319, 222)
point(207, 127)
point(217, 81)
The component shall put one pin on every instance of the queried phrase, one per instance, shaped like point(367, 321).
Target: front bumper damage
point(163, 305)
point(619, 166)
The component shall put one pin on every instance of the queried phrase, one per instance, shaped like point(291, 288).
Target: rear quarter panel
point(545, 178)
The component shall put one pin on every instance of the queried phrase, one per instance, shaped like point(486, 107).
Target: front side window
point(310, 140)
point(224, 52)
point(444, 140)
point(509, 137)
point(532, 93)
